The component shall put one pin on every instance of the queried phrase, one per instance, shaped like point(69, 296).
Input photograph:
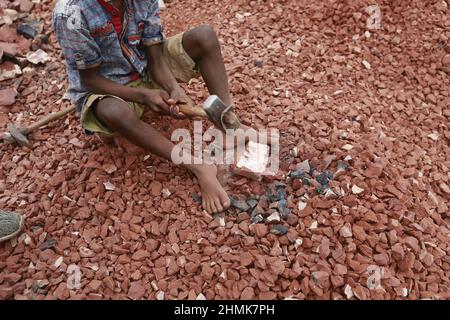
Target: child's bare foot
point(105, 139)
point(121, 142)
point(214, 197)
point(230, 141)
point(270, 135)
point(124, 144)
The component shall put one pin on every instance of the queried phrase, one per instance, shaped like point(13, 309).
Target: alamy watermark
point(374, 20)
point(375, 274)
point(74, 278)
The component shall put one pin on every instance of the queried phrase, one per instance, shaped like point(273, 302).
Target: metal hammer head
point(14, 135)
point(220, 114)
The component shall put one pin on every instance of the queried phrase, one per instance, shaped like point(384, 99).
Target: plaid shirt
point(91, 33)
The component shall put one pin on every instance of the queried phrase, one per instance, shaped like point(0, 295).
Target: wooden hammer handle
point(192, 112)
point(47, 119)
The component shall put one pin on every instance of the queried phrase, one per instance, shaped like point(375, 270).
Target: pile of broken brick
point(22, 46)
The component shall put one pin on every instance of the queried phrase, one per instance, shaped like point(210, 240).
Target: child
point(119, 64)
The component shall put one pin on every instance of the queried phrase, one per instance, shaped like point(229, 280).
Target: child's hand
point(179, 96)
point(159, 102)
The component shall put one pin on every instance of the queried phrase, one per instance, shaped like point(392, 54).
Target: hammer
point(19, 136)
point(215, 110)
point(220, 114)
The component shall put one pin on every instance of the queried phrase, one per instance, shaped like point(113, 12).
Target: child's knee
point(206, 37)
point(115, 113)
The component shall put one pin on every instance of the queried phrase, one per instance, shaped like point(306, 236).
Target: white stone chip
point(357, 190)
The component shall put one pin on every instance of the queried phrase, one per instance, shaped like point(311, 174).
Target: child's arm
point(83, 54)
point(158, 68)
point(94, 82)
point(153, 39)
point(162, 74)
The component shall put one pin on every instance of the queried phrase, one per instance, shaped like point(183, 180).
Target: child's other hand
point(159, 101)
point(179, 96)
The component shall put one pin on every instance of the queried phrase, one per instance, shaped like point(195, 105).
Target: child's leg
point(119, 117)
point(202, 45)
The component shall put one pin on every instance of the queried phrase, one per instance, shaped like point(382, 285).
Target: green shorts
point(181, 65)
